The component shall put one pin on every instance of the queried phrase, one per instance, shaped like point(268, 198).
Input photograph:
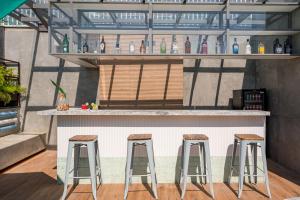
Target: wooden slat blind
point(147, 85)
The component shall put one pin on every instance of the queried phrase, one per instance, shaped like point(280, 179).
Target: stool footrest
point(193, 175)
point(247, 166)
point(140, 175)
point(80, 177)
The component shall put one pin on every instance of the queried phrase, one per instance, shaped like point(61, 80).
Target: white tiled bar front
point(166, 127)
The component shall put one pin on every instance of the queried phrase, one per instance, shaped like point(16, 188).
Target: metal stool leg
point(232, 160)
point(98, 164)
point(76, 164)
point(247, 165)
point(181, 164)
point(263, 153)
point(131, 164)
point(243, 148)
point(208, 163)
point(92, 166)
point(68, 165)
point(127, 169)
point(204, 162)
point(152, 167)
point(186, 157)
point(254, 161)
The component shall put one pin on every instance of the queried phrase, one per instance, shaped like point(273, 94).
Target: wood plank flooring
point(35, 179)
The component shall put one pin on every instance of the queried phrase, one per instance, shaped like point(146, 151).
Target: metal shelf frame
point(222, 10)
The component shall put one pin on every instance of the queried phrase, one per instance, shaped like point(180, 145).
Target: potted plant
point(62, 103)
point(10, 90)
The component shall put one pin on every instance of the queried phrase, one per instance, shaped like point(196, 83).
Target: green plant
point(59, 88)
point(8, 85)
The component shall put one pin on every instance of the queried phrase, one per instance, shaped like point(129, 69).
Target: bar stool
point(76, 142)
point(253, 140)
point(135, 140)
point(188, 141)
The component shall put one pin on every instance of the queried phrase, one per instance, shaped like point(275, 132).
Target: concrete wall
point(282, 78)
point(37, 68)
point(209, 83)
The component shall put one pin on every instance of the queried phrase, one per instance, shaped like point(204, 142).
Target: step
point(16, 147)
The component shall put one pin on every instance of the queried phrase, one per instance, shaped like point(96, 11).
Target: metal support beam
point(38, 13)
point(178, 17)
point(150, 23)
point(210, 18)
point(273, 18)
point(242, 17)
point(18, 16)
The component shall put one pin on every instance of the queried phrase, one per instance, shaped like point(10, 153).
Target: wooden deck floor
point(35, 179)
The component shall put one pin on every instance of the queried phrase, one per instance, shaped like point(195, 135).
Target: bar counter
point(107, 112)
point(166, 127)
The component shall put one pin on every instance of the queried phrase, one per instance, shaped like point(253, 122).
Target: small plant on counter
point(8, 85)
point(62, 103)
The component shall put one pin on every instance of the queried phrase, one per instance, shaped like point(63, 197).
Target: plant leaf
point(59, 88)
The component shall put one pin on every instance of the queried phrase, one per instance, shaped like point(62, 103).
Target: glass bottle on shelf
point(218, 48)
point(102, 45)
point(248, 47)
point(131, 47)
point(204, 47)
point(235, 47)
point(65, 44)
point(277, 47)
point(261, 48)
point(187, 46)
point(163, 46)
point(174, 46)
point(288, 49)
point(143, 47)
point(85, 47)
point(117, 49)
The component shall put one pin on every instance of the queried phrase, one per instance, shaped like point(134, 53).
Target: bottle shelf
point(93, 59)
point(198, 7)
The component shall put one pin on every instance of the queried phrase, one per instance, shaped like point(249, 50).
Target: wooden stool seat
point(195, 137)
point(139, 137)
point(83, 138)
point(248, 137)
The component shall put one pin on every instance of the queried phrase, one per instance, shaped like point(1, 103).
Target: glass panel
point(259, 21)
point(100, 19)
point(188, 20)
point(260, 1)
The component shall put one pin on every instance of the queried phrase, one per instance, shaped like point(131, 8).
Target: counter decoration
point(87, 106)
point(62, 103)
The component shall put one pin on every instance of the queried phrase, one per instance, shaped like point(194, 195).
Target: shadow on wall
point(87, 86)
point(155, 84)
point(208, 84)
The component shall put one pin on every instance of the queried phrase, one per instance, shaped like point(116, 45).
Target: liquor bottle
point(102, 45)
point(131, 47)
point(235, 47)
point(277, 47)
point(117, 49)
point(261, 48)
point(66, 44)
point(288, 47)
point(187, 46)
point(163, 46)
point(248, 47)
point(85, 47)
point(143, 47)
point(204, 48)
point(174, 47)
